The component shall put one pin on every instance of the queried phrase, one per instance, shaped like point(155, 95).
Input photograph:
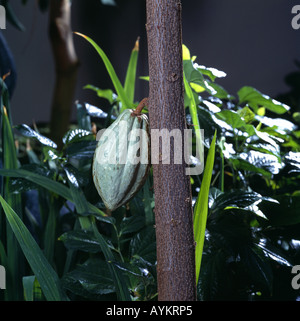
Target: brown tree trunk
point(173, 200)
point(66, 63)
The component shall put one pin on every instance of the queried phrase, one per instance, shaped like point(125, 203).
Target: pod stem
point(139, 108)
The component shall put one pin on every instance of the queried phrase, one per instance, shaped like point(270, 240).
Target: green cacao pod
point(122, 159)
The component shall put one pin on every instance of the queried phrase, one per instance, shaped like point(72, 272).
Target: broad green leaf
point(201, 206)
point(193, 75)
point(28, 132)
point(91, 280)
point(132, 224)
point(256, 99)
point(113, 76)
point(76, 134)
point(43, 271)
point(233, 119)
point(102, 93)
point(129, 85)
point(143, 245)
point(247, 114)
point(285, 212)
point(212, 73)
point(243, 164)
point(80, 240)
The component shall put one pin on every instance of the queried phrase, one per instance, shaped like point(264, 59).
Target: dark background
point(252, 41)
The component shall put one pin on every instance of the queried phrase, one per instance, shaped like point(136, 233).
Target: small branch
point(143, 103)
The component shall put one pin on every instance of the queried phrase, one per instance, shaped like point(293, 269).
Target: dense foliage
point(76, 250)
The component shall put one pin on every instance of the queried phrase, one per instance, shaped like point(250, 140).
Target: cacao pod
point(122, 159)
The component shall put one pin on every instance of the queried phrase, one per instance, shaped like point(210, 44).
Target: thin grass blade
point(129, 85)
point(43, 271)
point(201, 206)
point(193, 112)
point(113, 76)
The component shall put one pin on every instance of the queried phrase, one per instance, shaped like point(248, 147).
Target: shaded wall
point(252, 41)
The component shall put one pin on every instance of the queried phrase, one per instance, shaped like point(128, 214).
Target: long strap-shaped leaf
point(129, 85)
point(201, 206)
point(49, 184)
point(110, 69)
point(15, 259)
point(194, 114)
point(43, 271)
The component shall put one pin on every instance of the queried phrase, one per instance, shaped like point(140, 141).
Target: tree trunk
point(173, 199)
point(66, 64)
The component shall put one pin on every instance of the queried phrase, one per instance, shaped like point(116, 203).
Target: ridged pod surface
point(122, 159)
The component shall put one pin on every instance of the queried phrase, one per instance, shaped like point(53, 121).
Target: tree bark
point(66, 65)
point(173, 199)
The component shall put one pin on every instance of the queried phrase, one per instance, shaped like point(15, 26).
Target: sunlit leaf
point(28, 132)
point(255, 99)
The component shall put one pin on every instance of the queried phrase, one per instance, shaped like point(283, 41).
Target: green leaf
point(91, 280)
point(247, 114)
point(45, 182)
point(102, 93)
point(80, 240)
point(193, 75)
point(201, 206)
point(76, 134)
point(212, 73)
point(235, 199)
point(113, 76)
point(285, 212)
point(233, 119)
point(49, 184)
point(132, 224)
point(15, 259)
point(28, 132)
point(143, 244)
point(43, 271)
point(129, 85)
point(256, 99)
point(28, 282)
point(194, 115)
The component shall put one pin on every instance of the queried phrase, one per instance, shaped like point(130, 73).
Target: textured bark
point(66, 63)
point(173, 201)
